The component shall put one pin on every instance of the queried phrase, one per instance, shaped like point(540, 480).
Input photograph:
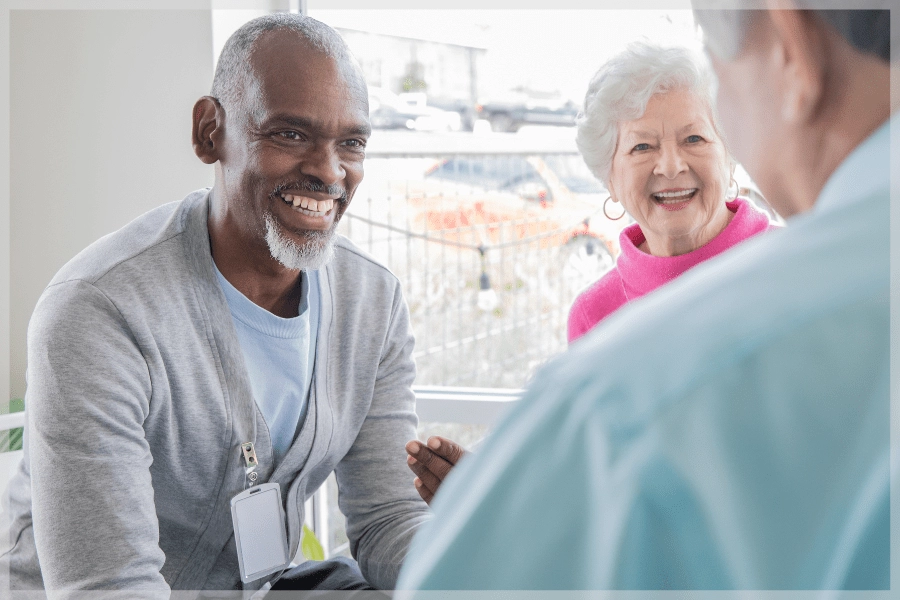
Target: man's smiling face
point(293, 150)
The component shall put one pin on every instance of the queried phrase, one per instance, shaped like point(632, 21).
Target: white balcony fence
point(12, 421)
point(478, 409)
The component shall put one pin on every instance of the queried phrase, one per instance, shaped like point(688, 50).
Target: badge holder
point(258, 518)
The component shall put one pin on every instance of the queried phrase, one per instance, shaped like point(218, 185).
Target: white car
point(410, 111)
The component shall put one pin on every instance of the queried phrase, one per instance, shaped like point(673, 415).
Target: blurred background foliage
point(11, 439)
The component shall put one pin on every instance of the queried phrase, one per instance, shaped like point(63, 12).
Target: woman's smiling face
point(670, 171)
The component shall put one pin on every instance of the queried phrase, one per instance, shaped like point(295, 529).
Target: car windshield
point(574, 174)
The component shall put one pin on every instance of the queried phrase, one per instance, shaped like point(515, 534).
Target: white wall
point(100, 121)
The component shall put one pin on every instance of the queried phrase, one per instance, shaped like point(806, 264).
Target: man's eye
point(693, 139)
point(290, 135)
point(355, 143)
point(641, 147)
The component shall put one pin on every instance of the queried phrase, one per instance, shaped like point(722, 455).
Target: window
point(475, 195)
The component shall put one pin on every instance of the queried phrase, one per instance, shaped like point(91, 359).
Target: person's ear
point(609, 188)
point(799, 51)
point(206, 132)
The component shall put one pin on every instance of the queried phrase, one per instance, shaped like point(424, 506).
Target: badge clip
point(250, 462)
point(249, 455)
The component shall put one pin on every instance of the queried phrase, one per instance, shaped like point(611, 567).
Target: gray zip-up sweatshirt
point(138, 399)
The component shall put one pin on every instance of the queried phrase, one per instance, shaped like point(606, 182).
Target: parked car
point(410, 111)
point(525, 197)
point(550, 200)
point(464, 107)
point(511, 111)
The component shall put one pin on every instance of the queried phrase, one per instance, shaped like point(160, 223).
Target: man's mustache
point(311, 185)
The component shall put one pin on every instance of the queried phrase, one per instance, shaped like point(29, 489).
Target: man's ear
point(800, 49)
point(208, 126)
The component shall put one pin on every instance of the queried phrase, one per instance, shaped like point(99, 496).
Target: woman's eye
point(641, 147)
point(693, 139)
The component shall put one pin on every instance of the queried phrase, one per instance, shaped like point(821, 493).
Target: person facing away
point(730, 430)
point(234, 316)
point(650, 133)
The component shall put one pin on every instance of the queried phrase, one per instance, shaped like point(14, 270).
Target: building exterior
point(448, 73)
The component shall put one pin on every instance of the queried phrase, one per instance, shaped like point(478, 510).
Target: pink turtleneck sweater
point(637, 272)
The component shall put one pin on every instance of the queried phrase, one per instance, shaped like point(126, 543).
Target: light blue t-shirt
point(279, 355)
point(730, 430)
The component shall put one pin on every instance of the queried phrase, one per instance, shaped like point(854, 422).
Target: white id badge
point(259, 532)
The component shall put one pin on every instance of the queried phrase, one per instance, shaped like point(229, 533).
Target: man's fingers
point(426, 494)
point(428, 478)
point(446, 449)
point(430, 468)
point(412, 447)
point(426, 457)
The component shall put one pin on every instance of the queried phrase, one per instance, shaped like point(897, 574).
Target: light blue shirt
point(729, 431)
point(279, 356)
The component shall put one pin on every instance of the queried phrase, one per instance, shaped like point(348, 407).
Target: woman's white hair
point(623, 86)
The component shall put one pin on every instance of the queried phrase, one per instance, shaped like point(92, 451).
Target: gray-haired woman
point(649, 133)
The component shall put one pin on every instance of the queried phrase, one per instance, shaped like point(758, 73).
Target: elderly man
point(730, 431)
point(220, 342)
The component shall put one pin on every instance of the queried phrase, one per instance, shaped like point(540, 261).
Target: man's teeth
point(308, 205)
point(670, 197)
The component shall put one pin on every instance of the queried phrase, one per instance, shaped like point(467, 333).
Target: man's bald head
point(798, 88)
point(233, 82)
point(727, 23)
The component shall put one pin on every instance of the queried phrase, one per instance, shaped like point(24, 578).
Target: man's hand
point(432, 463)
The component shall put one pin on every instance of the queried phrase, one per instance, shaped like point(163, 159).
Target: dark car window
point(489, 172)
point(574, 174)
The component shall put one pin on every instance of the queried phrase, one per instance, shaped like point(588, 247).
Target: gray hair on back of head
point(864, 24)
point(623, 86)
point(233, 69)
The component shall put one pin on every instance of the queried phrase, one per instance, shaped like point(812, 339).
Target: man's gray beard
point(315, 253)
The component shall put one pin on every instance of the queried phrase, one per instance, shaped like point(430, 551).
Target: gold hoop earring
point(606, 214)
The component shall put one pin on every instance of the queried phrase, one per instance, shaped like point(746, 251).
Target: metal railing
point(490, 243)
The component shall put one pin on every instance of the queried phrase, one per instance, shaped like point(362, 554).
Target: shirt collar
point(246, 311)
point(865, 171)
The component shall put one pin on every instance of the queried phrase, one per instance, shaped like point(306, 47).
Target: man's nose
point(324, 163)
point(670, 163)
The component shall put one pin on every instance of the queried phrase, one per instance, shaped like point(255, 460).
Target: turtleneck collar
point(641, 272)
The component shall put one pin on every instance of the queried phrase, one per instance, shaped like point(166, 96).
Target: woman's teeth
point(308, 206)
point(673, 197)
